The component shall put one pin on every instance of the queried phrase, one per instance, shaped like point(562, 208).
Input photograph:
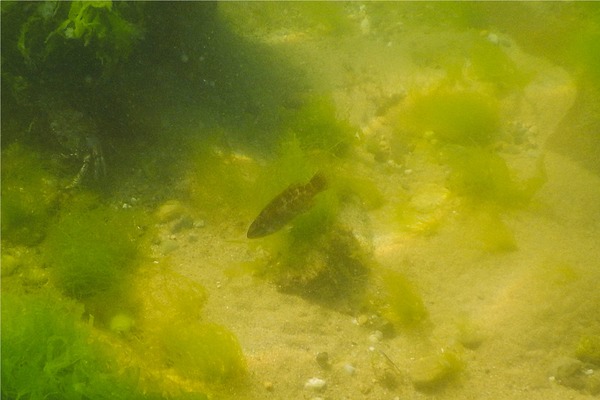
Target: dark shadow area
point(192, 66)
point(185, 75)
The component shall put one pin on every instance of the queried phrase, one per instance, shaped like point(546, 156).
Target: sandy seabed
point(524, 313)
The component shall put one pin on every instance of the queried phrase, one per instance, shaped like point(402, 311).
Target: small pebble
point(184, 222)
point(317, 384)
point(168, 246)
point(349, 369)
point(493, 38)
point(169, 211)
point(362, 320)
point(375, 337)
point(323, 360)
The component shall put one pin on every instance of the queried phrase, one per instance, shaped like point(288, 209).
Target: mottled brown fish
point(293, 201)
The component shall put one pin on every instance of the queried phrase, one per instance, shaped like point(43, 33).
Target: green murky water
point(450, 250)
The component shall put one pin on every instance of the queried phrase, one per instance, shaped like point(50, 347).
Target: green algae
point(483, 175)
point(318, 259)
point(317, 127)
point(493, 233)
point(455, 117)
point(220, 178)
point(588, 349)
point(92, 248)
point(205, 351)
point(435, 371)
point(491, 64)
point(29, 195)
point(103, 32)
point(397, 299)
point(47, 353)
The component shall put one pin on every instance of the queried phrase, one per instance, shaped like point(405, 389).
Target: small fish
point(293, 201)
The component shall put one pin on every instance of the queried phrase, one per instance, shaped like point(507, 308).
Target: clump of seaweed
point(47, 352)
point(92, 248)
point(317, 259)
point(204, 351)
point(435, 371)
point(314, 118)
point(29, 195)
point(451, 116)
point(483, 176)
point(396, 299)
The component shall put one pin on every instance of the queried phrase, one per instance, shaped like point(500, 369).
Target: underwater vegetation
point(491, 231)
point(459, 129)
point(317, 128)
point(47, 353)
point(588, 349)
point(462, 117)
point(204, 351)
point(396, 299)
point(29, 195)
point(92, 248)
point(456, 135)
point(103, 33)
point(481, 174)
point(221, 180)
point(175, 341)
point(317, 258)
point(492, 65)
point(221, 176)
point(432, 372)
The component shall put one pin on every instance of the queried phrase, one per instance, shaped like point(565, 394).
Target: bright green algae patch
point(47, 353)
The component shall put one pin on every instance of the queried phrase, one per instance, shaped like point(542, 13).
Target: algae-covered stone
point(169, 211)
point(568, 372)
point(575, 374)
